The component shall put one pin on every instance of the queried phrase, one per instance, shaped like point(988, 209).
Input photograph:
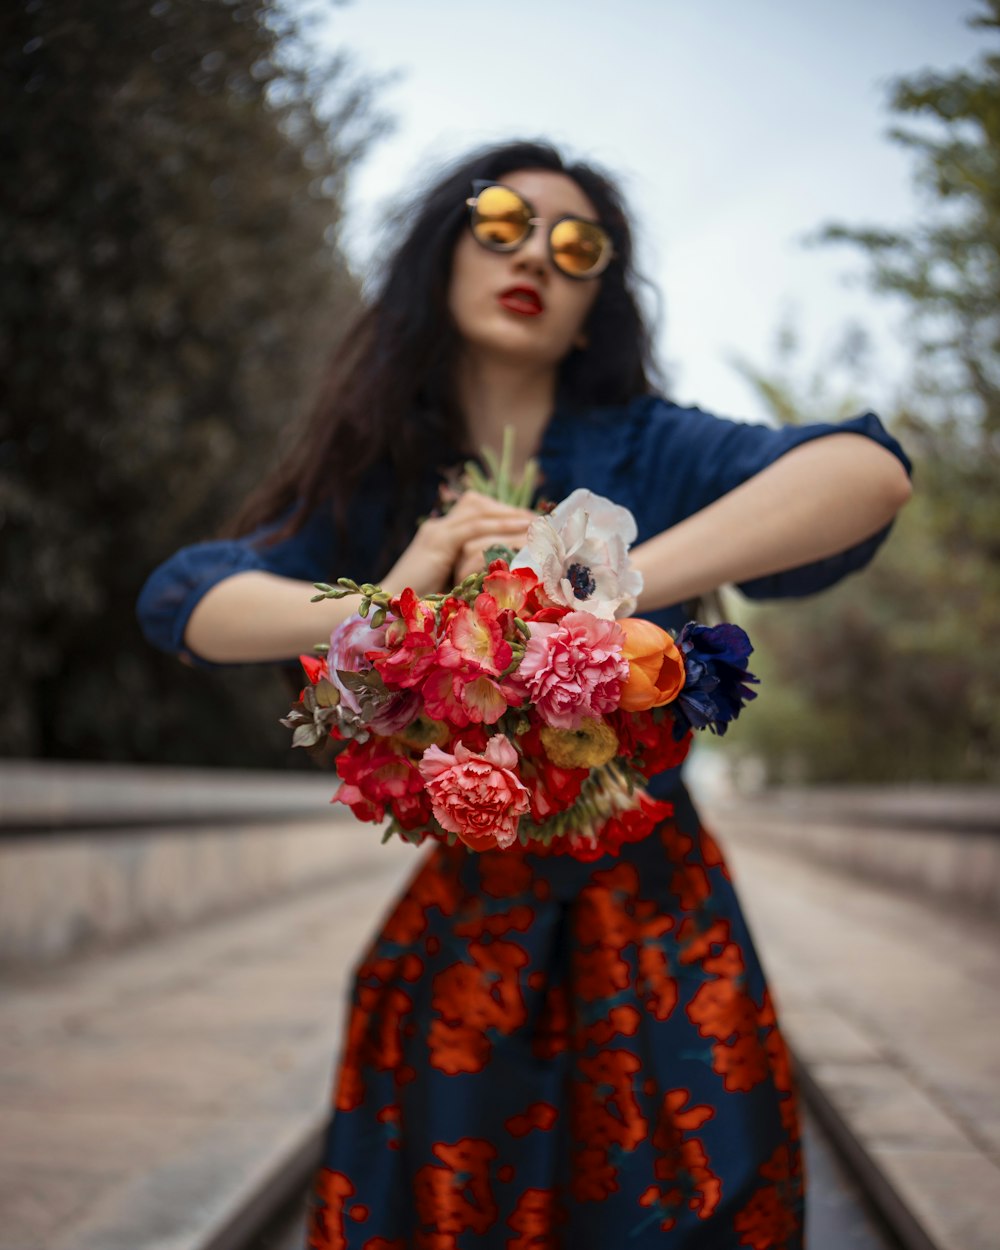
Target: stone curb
point(889, 1003)
point(287, 1181)
point(873, 1182)
point(40, 795)
point(63, 896)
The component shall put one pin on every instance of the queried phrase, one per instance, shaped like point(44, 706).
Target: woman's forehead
point(551, 194)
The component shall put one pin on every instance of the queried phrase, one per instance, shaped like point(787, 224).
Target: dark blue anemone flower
point(715, 677)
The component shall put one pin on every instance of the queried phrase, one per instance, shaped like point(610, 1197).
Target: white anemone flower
point(580, 552)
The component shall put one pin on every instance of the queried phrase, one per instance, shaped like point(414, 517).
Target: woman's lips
point(523, 300)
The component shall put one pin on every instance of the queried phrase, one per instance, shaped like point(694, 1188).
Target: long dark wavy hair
point(389, 396)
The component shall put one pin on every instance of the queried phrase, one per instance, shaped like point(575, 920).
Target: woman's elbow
point(881, 478)
point(898, 486)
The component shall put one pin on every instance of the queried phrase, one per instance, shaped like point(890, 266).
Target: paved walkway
point(148, 1094)
point(893, 1004)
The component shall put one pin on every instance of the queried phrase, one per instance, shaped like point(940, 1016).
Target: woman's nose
point(533, 254)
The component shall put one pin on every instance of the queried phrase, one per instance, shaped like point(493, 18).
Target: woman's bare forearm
point(255, 616)
point(816, 500)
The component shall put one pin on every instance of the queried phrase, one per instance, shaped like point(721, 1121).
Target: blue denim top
point(661, 461)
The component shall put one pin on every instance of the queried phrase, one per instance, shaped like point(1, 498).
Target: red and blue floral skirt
point(547, 1053)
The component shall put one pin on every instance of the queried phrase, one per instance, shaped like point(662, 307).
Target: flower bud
point(656, 666)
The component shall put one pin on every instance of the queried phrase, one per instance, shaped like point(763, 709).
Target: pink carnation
point(573, 668)
point(478, 797)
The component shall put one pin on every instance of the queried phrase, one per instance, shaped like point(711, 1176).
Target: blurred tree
point(174, 174)
point(894, 675)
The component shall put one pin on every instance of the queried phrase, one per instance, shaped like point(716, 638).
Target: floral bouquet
point(525, 707)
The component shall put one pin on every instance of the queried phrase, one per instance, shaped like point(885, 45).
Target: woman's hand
point(446, 549)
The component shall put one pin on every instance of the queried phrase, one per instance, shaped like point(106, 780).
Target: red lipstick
point(522, 299)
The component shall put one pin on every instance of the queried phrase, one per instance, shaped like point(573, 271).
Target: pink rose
point(573, 668)
point(479, 797)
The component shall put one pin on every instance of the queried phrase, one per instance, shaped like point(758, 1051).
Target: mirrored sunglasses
point(502, 220)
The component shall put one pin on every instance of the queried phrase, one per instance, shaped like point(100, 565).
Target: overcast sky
point(735, 128)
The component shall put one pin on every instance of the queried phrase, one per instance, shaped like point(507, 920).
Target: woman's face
point(518, 304)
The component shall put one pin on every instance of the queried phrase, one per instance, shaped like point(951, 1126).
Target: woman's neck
point(494, 392)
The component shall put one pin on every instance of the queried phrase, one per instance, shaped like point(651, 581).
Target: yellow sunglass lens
point(578, 247)
point(501, 218)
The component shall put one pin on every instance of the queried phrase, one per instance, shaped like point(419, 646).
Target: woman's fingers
point(481, 532)
point(513, 536)
point(457, 540)
point(485, 525)
point(472, 504)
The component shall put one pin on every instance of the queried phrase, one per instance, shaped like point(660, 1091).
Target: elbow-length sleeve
point(173, 589)
point(692, 457)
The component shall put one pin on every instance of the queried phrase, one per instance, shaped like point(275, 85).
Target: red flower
point(462, 687)
point(473, 639)
point(551, 789)
point(412, 811)
point(511, 588)
point(374, 775)
point(475, 737)
point(629, 826)
point(463, 696)
point(634, 824)
point(649, 743)
point(315, 667)
point(411, 643)
point(478, 797)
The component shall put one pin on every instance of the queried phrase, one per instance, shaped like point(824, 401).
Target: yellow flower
point(593, 744)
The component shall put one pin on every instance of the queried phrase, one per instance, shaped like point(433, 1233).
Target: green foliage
point(893, 676)
point(834, 389)
point(174, 175)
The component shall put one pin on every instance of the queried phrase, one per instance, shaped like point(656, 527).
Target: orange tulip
point(655, 666)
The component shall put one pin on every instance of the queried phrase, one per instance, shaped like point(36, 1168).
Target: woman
point(541, 1052)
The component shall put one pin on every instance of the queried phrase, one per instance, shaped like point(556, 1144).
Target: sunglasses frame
point(480, 185)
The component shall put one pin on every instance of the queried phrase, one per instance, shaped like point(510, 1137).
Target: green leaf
point(305, 736)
